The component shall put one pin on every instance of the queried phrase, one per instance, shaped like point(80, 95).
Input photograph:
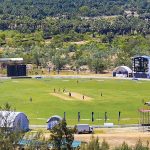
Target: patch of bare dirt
point(79, 96)
point(71, 96)
point(61, 96)
point(79, 42)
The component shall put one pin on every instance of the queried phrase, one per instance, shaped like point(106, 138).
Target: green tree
point(98, 62)
point(59, 59)
point(1, 53)
point(62, 136)
point(8, 138)
point(84, 10)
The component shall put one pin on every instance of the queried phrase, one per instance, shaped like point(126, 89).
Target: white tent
point(147, 103)
point(122, 71)
point(14, 120)
point(52, 121)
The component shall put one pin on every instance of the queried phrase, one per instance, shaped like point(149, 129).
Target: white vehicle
point(84, 128)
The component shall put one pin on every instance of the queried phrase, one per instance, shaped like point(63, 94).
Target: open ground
point(116, 136)
point(101, 95)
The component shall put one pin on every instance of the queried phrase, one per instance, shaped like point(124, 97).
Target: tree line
point(109, 41)
point(51, 26)
point(96, 55)
point(40, 9)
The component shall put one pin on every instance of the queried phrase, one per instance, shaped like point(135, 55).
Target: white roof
point(11, 59)
point(147, 103)
point(8, 117)
point(125, 68)
point(55, 116)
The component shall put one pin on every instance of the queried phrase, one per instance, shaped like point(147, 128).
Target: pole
point(64, 115)
point(78, 116)
point(119, 114)
point(105, 117)
point(92, 116)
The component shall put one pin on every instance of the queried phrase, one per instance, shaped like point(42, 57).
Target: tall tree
point(98, 61)
point(62, 136)
point(59, 59)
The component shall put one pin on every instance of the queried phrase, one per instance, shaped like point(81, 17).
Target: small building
point(52, 121)
point(15, 66)
point(144, 119)
point(141, 66)
point(122, 71)
point(130, 13)
point(14, 120)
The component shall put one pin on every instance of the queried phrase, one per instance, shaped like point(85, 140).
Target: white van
point(84, 128)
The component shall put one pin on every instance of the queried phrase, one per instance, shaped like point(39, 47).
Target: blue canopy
point(24, 142)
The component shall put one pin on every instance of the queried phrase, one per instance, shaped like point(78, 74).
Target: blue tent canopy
point(24, 142)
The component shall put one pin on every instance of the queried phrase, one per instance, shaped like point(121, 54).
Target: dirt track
point(64, 97)
point(74, 96)
point(79, 96)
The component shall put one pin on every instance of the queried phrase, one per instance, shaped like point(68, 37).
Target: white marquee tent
point(122, 71)
point(14, 120)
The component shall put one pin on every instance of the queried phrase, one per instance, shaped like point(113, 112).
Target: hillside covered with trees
point(39, 9)
point(98, 34)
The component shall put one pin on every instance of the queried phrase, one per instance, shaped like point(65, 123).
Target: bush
point(104, 145)
point(139, 146)
point(124, 146)
point(92, 145)
point(95, 145)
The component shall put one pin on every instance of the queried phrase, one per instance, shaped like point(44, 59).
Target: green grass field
point(118, 95)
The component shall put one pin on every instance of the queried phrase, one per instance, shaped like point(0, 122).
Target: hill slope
point(39, 9)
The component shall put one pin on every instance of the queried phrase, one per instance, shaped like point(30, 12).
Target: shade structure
point(14, 120)
point(144, 118)
point(122, 71)
point(52, 121)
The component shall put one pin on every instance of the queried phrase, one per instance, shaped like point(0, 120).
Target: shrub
point(124, 146)
point(139, 146)
point(104, 145)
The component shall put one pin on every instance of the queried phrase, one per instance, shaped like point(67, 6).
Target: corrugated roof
point(8, 117)
point(11, 59)
point(55, 116)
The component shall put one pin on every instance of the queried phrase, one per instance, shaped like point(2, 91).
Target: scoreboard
point(16, 70)
point(141, 66)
